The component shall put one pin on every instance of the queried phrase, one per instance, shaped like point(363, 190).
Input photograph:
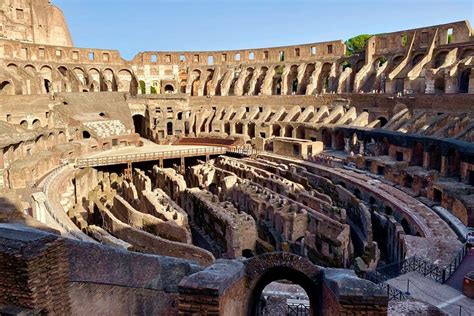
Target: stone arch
point(246, 87)
point(139, 122)
point(24, 124)
point(169, 88)
point(417, 154)
point(395, 61)
point(276, 130)
point(63, 71)
point(81, 75)
point(439, 59)
point(292, 80)
point(6, 88)
point(324, 76)
point(453, 163)
point(109, 82)
point(326, 138)
point(127, 82)
point(267, 268)
point(260, 80)
point(196, 81)
point(94, 79)
point(434, 153)
point(31, 69)
point(466, 53)
point(277, 80)
point(439, 84)
point(383, 121)
point(36, 124)
point(208, 82)
point(13, 68)
point(306, 78)
point(416, 59)
point(464, 80)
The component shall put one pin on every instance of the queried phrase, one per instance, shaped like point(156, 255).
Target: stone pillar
point(217, 290)
point(426, 159)
point(444, 166)
point(361, 147)
point(347, 145)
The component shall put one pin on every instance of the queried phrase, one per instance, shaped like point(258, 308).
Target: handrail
point(420, 265)
point(168, 154)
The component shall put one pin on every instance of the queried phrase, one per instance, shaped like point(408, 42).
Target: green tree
point(152, 90)
point(142, 87)
point(357, 44)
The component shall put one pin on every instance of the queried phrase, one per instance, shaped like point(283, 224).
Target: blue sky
point(132, 26)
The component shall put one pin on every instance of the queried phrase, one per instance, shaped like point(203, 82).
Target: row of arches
point(77, 79)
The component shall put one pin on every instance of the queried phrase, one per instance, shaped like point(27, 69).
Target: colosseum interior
point(187, 183)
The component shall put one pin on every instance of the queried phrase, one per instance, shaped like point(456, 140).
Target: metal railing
point(420, 265)
point(168, 154)
point(152, 156)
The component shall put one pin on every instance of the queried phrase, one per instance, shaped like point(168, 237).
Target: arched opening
point(306, 78)
point(169, 89)
point(63, 71)
point(239, 128)
point(183, 86)
point(277, 80)
point(323, 83)
point(289, 131)
point(416, 59)
point(276, 130)
point(292, 81)
point(339, 140)
point(417, 154)
point(464, 81)
point(383, 121)
point(257, 302)
point(5, 87)
point(406, 226)
point(196, 76)
point(453, 163)
point(139, 123)
point(169, 128)
point(439, 85)
point(260, 80)
point(227, 128)
point(248, 79)
point(24, 124)
point(208, 83)
point(434, 158)
point(395, 62)
point(439, 59)
point(47, 85)
point(86, 135)
point(326, 138)
point(36, 124)
point(246, 253)
point(251, 128)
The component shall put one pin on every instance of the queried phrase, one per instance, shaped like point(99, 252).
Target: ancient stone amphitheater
point(184, 183)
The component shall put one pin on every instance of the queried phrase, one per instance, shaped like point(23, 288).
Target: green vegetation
point(382, 60)
point(357, 44)
point(142, 87)
point(450, 38)
point(153, 90)
point(345, 65)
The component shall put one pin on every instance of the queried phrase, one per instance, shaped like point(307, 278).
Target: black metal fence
point(420, 265)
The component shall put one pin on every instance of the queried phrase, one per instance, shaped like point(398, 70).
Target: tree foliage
point(153, 90)
point(142, 86)
point(357, 44)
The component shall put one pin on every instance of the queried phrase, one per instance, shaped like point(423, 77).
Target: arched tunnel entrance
point(139, 123)
point(265, 269)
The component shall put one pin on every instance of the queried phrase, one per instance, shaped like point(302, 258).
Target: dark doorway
point(464, 81)
point(139, 123)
